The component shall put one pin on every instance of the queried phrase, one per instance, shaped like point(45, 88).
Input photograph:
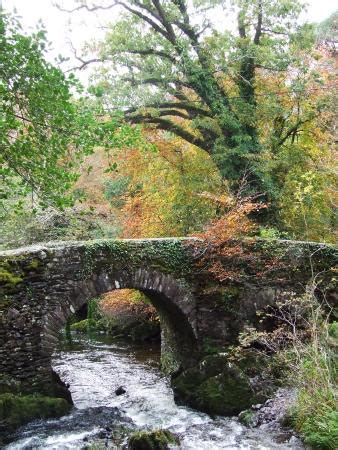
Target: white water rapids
point(94, 369)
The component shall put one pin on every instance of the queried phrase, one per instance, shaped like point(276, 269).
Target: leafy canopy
point(44, 130)
point(181, 70)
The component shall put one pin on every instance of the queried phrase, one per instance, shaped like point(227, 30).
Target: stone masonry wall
point(41, 286)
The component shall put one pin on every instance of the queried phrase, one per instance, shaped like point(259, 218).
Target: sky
point(76, 28)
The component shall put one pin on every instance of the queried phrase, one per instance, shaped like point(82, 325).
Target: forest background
point(220, 118)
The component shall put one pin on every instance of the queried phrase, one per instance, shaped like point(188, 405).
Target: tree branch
point(176, 105)
point(241, 25)
point(165, 22)
point(147, 19)
point(137, 13)
point(294, 129)
point(151, 51)
point(84, 63)
point(84, 6)
point(168, 125)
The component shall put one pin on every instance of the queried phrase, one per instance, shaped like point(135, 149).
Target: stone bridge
point(43, 285)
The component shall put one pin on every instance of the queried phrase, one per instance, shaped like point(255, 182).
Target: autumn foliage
point(226, 247)
point(124, 305)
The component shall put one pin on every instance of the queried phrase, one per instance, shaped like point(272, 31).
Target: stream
point(94, 368)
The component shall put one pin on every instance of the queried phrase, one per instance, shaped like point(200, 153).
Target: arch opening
point(173, 303)
point(119, 314)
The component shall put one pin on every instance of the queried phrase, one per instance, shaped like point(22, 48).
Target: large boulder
point(215, 386)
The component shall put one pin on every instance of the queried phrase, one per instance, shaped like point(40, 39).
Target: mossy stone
point(247, 418)
point(152, 440)
point(16, 410)
point(216, 387)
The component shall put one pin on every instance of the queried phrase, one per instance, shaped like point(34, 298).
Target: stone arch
point(173, 301)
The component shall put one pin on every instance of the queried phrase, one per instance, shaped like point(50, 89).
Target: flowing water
point(94, 368)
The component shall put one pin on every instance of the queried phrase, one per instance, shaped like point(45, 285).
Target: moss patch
point(34, 264)
point(7, 276)
point(166, 256)
point(84, 325)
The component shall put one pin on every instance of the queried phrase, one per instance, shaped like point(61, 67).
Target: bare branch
point(84, 6)
point(86, 63)
point(151, 51)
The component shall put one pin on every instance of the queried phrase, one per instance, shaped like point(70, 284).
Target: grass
point(315, 415)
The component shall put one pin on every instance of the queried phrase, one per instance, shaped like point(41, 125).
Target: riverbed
point(94, 368)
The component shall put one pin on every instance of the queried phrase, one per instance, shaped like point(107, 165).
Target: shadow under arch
point(174, 303)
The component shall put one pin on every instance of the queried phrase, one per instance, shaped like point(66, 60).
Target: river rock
point(120, 391)
point(274, 411)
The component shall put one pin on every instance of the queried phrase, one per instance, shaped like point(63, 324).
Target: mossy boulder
point(152, 440)
point(215, 386)
point(16, 410)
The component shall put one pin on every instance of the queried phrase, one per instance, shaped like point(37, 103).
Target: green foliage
point(116, 189)
point(167, 255)
point(38, 120)
point(317, 419)
point(165, 195)
point(271, 233)
point(91, 323)
point(333, 330)
point(230, 93)
point(310, 365)
point(45, 131)
point(305, 204)
point(315, 414)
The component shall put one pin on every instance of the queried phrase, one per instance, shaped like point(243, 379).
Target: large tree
point(183, 67)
